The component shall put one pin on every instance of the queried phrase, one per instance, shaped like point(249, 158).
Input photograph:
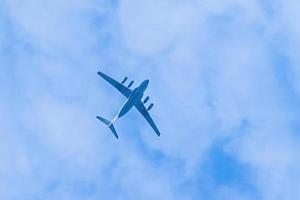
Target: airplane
point(134, 99)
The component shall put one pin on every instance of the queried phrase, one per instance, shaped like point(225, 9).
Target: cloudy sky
point(224, 79)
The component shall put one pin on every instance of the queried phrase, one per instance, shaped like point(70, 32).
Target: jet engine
point(146, 100)
point(150, 107)
point(124, 80)
point(130, 84)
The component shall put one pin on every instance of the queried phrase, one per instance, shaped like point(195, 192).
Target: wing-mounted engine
point(124, 80)
point(150, 107)
point(130, 84)
point(146, 99)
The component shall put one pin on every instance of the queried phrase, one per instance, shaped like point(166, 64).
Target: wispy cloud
point(224, 80)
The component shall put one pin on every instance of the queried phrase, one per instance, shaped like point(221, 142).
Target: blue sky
point(224, 78)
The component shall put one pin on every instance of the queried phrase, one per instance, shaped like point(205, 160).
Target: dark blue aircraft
point(134, 99)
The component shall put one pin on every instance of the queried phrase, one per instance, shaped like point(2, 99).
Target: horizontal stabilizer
point(105, 121)
point(110, 126)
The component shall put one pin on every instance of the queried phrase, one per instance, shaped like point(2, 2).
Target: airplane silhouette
point(134, 99)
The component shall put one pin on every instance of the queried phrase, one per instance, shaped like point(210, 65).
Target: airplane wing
point(141, 108)
point(123, 89)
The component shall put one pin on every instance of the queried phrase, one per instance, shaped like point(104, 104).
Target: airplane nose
point(145, 83)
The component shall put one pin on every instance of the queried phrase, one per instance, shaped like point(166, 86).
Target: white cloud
point(211, 69)
point(231, 66)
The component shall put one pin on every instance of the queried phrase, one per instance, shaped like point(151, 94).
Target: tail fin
point(110, 126)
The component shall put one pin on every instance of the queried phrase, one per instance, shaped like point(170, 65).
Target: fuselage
point(136, 95)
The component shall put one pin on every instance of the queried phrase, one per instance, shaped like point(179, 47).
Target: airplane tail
point(110, 125)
